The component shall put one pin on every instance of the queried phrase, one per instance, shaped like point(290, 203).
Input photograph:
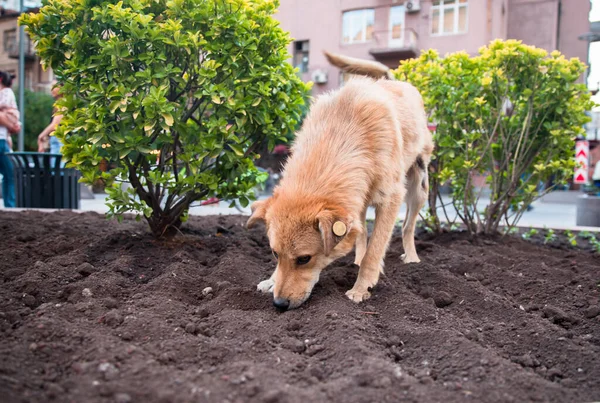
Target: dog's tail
point(363, 67)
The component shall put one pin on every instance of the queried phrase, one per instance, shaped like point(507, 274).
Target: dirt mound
point(94, 311)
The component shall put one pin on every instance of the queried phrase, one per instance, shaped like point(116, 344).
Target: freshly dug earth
point(95, 311)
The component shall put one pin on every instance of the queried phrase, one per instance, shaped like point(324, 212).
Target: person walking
point(8, 125)
point(596, 175)
point(46, 136)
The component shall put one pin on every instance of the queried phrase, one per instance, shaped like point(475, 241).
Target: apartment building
point(391, 30)
point(36, 79)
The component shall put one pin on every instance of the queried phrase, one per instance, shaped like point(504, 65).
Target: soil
point(95, 311)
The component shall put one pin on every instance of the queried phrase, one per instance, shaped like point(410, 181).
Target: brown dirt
point(94, 311)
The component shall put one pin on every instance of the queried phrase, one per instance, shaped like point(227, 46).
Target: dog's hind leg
point(372, 263)
point(417, 189)
point(361, 239)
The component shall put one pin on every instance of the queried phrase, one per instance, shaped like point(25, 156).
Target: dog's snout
point(281, 304)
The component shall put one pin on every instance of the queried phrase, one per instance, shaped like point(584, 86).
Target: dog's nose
point(281, 304)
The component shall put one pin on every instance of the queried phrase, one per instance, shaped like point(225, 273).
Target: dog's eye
point(302, 260)
point(275, 254)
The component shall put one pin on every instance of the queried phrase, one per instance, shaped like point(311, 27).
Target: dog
point(366, 144)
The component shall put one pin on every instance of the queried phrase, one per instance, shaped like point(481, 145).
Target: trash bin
point(42, 182)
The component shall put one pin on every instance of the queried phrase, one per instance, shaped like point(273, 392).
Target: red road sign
point(582, 152)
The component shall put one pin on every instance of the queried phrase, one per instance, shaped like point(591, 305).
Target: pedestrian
point(46, 139)
point(596, 175)
point(9, 123)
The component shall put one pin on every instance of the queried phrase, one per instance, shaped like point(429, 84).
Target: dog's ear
point(259, 210)
point(334, 225)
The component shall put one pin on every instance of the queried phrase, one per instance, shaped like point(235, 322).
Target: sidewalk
point(550, 215)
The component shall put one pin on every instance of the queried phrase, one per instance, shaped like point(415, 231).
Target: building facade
point(391, 30)
point(36, 79)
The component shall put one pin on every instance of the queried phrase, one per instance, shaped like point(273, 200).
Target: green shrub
point(478, 133)
point(38, 114)
point(180, 92)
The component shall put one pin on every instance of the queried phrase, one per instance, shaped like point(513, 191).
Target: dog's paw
point(266, 286)
point(410, 259)
point(358, 295)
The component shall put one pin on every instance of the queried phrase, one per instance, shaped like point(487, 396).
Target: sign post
point(582, 154)
point(21, 142)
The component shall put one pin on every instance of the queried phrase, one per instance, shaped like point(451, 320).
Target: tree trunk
point(164, 225)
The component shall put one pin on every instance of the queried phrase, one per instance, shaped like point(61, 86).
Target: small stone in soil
point(108, 370)
point(207, 290)
point(252, 390)
point(54, 390)
point(442, 299)
point(222, 285)
point(294, 345)
point(393, 341)
point(29, 300)
point(204, 330)
point(86, 292)
point(39, 265)
point(25, 238)
point(126, 336)
point(113, 318)
point(554, 373)
point(273, 396)
point(526, 360)
point(122, 398)
point(559, 317)
point(314, 349)
point(190, 328)
point(85, 269)
point(383, 382)
point(111, 303)
point(592, 311)
point(202, 312)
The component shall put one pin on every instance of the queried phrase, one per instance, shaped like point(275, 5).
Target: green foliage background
point(38, 114)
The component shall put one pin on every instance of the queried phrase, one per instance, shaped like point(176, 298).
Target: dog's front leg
point(267, 286)
point(372, 262)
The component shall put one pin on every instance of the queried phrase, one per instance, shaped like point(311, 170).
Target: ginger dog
point(366, 144)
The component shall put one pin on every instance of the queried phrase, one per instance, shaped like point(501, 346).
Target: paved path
point(550, 215)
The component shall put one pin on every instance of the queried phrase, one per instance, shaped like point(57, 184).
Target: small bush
point(181, 93)
point(511, 113)
point(38, 114)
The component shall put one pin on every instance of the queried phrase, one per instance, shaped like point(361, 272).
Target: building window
point(357, 26)
point(301, 49)
point(10, 41)
point(449, 17)
point(397, 26)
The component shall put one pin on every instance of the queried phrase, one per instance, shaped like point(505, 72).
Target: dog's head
point(305, 235)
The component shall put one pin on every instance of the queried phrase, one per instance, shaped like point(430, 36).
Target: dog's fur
point(366, 144)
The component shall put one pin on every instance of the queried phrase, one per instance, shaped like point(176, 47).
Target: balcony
point(395, 49)
point(14, 5)
point(594, 34)
point(11, 46)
